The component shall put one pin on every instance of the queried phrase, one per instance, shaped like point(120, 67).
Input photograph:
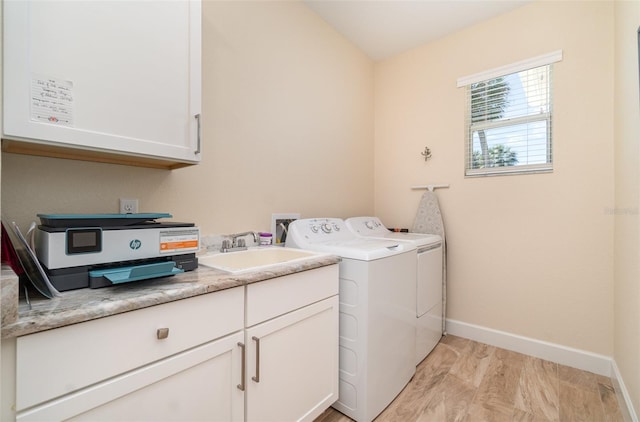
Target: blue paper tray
point(136, 272)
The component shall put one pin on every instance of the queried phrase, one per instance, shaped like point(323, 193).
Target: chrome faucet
point(235, 243)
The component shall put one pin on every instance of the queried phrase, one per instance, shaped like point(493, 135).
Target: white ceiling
point(383, 28)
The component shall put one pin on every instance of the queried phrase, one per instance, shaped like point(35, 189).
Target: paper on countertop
point(36, 274)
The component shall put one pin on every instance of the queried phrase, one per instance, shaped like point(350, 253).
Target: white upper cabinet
point(113, 81)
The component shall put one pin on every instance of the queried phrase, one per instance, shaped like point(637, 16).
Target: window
point(509, 118)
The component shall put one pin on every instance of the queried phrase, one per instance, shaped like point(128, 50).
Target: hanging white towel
point(429, 221)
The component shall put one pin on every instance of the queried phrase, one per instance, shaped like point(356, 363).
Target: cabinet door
point(116, 77)
point(200, 384)
point(292, 364)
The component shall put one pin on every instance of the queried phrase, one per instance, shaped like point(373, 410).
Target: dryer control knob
point(314, 228)
point(326, 227)
point(369, 224)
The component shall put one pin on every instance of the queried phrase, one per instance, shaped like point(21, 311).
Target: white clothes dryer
point(428, 295)
point(377, 313)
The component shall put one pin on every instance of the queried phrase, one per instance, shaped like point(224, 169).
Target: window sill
point(508, 171)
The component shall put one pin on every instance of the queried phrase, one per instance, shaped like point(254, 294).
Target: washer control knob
point(369, 225)
point(314, 228)
point(336, 227)
point(326, 227)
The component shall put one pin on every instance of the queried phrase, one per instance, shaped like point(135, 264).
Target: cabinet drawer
point(56, 362)
point(270, 298)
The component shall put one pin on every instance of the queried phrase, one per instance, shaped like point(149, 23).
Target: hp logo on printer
point(135, 244)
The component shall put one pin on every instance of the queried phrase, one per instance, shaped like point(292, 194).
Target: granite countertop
point(81, 305)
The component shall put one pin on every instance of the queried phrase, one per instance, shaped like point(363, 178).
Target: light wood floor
point(462, 380)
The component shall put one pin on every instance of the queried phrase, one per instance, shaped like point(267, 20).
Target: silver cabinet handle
point(162, 333)
point(242, 371)
point(257, 377)
point(198, 134)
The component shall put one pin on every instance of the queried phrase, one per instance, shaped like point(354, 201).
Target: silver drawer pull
point(162, 333)
point(243, 368)
point(257, 377)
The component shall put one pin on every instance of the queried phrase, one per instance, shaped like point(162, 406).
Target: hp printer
point(99, 250)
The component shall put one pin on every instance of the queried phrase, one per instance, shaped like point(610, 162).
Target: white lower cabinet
point(292, 364)
point(176, 361)
point(267, 351)
point(196, 385)
point(292, 346)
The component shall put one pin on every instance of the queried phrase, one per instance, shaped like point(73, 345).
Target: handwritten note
point(52, 101)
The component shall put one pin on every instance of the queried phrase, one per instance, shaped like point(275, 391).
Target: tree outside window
point(509, 123)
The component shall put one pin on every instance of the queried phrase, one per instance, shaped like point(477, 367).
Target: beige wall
point(627, 230)
point(288, 127)
point(531, 254)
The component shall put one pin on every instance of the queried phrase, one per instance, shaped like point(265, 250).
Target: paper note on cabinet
point(52, 101)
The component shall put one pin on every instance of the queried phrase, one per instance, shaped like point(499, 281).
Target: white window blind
point(509, 118)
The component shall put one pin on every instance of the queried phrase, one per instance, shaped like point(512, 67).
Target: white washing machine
point(428, 295)
point(377, 313)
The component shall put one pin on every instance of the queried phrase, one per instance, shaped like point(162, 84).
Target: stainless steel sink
point(254, 259)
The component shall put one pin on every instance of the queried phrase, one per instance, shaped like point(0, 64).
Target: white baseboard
point(575, 358)
point(564, 355)
point(622, 394)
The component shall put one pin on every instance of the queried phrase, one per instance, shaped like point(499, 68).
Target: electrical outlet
point(128, 206)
